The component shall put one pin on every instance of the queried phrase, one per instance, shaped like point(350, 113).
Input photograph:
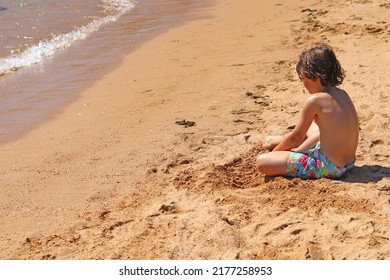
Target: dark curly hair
point(320, 61)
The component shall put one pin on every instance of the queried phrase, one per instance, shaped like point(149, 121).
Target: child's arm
point(296, 137)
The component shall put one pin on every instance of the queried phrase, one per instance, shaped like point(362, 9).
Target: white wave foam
point(120, 6)
point(47, 48)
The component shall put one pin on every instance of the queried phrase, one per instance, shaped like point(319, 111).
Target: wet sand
point(156, 160)
point(31, 95)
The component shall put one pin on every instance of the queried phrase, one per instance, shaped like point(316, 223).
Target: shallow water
point(104, 30)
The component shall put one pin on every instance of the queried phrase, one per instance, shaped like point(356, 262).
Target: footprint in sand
point(168, 208)
point(314, 252)
point(259, 98)
point(376, 142)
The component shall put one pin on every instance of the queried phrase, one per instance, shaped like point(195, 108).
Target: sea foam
point(47, 48)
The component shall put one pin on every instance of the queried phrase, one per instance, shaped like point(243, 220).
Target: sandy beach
point(156, 159)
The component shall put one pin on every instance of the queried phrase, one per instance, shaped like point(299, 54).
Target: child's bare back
point(338, 124)
point(324, 141)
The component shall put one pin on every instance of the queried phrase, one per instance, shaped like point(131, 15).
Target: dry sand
point(156, 160)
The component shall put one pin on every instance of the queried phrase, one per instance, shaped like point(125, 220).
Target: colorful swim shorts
point(313, 165)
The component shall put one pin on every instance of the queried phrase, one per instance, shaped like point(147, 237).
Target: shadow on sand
point(359, 174)
point(367, 174)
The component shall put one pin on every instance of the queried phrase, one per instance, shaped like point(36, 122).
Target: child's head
point(320, 62)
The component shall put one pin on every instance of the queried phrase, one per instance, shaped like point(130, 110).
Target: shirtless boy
point(324, 141)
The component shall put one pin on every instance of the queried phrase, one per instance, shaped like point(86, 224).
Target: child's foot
point(271, 142)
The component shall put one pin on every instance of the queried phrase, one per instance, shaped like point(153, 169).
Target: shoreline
point(114, 176)
point(31, 95)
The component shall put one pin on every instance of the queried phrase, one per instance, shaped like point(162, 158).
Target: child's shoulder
point(317, 101)
point(326, 95)
point(317, 97)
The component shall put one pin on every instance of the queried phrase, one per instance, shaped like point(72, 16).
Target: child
point(324, 141)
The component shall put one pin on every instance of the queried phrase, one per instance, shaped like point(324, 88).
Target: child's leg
point(273, 163)
point(313, 133)
point(313, 129)
point(312, 138)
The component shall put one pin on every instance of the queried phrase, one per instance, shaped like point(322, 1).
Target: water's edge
point(38, 93)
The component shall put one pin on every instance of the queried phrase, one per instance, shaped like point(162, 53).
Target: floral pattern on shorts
point(313, 165)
